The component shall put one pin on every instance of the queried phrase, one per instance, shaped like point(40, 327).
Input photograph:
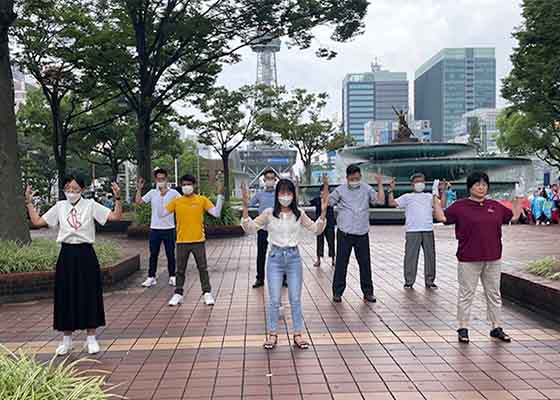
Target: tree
point(162, 52)
point(533, 85)
point(473, 131)
point(51, 37)
point(297, 118)
point(339, 141)
point(12, 213)
point(230, 118)
point(187, 160)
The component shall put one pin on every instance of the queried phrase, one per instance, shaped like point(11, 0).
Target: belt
point(352, 234)
point(274, 247)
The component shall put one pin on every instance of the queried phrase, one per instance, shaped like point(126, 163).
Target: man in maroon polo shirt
point(478, 228)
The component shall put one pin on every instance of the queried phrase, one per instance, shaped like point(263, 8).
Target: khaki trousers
point(468, 274)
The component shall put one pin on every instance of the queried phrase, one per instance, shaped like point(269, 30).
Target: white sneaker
point(149, 282)
point(92, 347)
point(63, 349)
point(172, 281)
point(208, 299)
point(176, 300)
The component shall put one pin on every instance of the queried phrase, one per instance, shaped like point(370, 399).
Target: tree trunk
point(227, 190)
point(144, 147)
point(114, 170)
point(307, 174)
point(14, 224)
point(60, 155)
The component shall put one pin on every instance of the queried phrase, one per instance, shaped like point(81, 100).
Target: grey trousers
point(415, 240)
point(184, 250)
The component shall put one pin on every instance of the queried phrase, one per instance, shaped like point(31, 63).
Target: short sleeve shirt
point(76, 223)
point(418, 209)
point(153, 197)
point(189, 213)
point(352, 207)
point(478, 228)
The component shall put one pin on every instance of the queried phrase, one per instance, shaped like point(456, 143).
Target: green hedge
point(548, 267)
point(23, 377)
point(41, 255)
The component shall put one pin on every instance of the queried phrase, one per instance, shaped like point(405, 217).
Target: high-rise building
point(485, 118)
point(452, 83)
point(372, 96)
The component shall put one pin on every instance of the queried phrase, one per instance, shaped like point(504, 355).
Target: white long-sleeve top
point(284, 231)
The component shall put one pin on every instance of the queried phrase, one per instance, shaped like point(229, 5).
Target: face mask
point(72, 197)
point(188, 189)
point(161, 185)
point(354, 184)
point(269, 184)
point(419, 187)
point(285, 200)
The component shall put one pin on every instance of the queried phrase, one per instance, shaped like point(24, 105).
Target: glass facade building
point(371, 96)
point(452, 83)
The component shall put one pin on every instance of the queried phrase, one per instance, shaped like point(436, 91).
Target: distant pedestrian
point(328, 233)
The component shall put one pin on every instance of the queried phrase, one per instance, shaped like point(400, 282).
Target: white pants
point(468, 274)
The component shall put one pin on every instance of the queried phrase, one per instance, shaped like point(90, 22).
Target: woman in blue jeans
point(286, 224)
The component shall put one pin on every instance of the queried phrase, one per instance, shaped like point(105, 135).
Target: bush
point(41, 255)
point(142, 214)
point(548, 267)
point(23, 377)
point(229, 216)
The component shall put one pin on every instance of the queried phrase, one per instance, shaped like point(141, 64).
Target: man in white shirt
point(418, 207)
point(162, 229)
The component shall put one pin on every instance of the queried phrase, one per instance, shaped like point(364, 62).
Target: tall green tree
point(473, 131)
point(12, 213)
point(167, 51)
point(51, 36)
point(533, 86)
point(230, 118)
point(296, 116)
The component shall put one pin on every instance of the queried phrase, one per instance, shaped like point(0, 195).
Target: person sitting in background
point(451, 195)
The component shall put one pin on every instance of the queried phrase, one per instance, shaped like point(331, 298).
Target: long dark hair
point(285, 185)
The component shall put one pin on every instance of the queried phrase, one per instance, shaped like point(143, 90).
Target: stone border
point(532, 291)
point(27, 286)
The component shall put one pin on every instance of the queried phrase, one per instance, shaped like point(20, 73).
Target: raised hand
point(324, 200)
point(28, 194)
point(392, 184)
point(435, 187)
point(245, 195)
point(116, 190)
point(378, 179)
point(140, 184)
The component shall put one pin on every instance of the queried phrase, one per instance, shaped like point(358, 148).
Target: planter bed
point(26, 286)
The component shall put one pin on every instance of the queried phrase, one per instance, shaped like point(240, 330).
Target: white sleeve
point(251, 226)
point(147, 198)
point(51, 216)
point(372, 195)
point(100, 213)
point(216, 211)
point(402, 201)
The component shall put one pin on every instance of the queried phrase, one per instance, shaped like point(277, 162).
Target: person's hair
point(544, 194)
point(270, 171)
point(188, 178)
point(417, 175)
point(352, 169)
point(79, 180)
point(160, 171)
point(476, 177)
point(283, 185)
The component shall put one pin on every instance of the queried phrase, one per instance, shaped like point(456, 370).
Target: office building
point(370, 96)
point(486, 120)
point(452, 83)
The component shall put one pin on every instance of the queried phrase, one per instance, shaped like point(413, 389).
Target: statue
point(405, 133)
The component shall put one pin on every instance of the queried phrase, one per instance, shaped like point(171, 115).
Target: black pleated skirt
point(78, 289)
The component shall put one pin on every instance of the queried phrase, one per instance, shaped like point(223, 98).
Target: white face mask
point(419, 187)
point(269, 184)
point(354, 184)
point(188, 189)
point(72, 197)
point(285, 200)
point(161, 185)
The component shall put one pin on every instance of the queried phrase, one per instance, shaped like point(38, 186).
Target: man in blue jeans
point(161, 229)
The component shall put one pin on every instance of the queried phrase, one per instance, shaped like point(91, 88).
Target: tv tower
point(266, 50)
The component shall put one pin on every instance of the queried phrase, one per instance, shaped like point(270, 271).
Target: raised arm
point(439, 215)
point(139, 187)
point(317, 227)
point(380, 198)
point(216, 211)
point(116, 214)
point(517, 207)
point(249, 225)
point(36, 220)
point(392, 201)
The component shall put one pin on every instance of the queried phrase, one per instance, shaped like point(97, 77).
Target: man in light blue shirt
point(263, 200)
point(352, 202)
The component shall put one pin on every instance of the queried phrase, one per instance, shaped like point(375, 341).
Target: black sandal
point(498, 333)
point(463, 335)
point(270, 344)
point(301, 343)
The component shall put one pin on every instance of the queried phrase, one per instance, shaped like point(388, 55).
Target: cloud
point(402, 34)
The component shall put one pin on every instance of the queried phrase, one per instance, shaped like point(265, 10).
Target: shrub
point(548, 267)
point(229, 216)
point(142, 214)
point(41, 255)
point(23, 377)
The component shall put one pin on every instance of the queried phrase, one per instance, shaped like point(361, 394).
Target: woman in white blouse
point(285, 224)
point(78, 290)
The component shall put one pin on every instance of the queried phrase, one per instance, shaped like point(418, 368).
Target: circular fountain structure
point(450, 161)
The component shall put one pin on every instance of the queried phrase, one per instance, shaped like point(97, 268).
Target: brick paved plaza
point(403, 347)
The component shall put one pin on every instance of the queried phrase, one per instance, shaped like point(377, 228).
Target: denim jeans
point(284, 261)
point(167, 236)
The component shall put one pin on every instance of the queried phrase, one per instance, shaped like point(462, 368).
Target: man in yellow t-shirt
point(189, 212)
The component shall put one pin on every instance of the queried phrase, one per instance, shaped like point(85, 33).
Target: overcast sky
point(402, 34)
